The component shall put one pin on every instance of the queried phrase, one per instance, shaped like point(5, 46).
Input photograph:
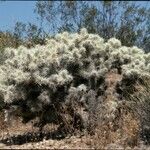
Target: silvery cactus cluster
point(44, 78)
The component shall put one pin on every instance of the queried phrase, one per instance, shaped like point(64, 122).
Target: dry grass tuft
point(3, 125)
point(123, 132)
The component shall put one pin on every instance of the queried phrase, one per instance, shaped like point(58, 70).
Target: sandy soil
point(17, 129)
point(71, 143)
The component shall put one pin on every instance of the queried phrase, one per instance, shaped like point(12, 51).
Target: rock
point(114, 146)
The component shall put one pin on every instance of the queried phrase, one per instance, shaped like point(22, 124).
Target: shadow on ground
point(33, 137)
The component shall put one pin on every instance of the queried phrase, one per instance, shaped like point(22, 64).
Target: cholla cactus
point(70, 63)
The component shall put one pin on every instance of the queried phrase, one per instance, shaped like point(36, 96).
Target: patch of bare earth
point(70, 143)
point(17, 129)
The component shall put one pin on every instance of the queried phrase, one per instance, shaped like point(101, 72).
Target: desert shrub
point(46, 80)
point(140, 104)
point(127, 134)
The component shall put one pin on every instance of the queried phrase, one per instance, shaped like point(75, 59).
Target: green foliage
point(34, 36)
point(127, 21)
point(7, 39)
point(18, 33)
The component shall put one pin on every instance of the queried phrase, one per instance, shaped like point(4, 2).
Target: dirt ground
point(18, 130)
point(71, 143)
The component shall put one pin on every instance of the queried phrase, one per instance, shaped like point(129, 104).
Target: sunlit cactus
point(36, 79)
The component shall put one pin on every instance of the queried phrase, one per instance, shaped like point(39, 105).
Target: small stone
point(2, 145)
